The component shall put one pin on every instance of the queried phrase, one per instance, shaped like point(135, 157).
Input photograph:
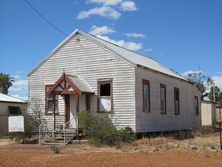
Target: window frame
point(146, 82)
point(165, 99)
point(196, 108)
point(176, 90)
point(49, 112)
point(104, 81)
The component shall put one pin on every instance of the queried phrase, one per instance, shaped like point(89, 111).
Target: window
point(146, 96)
point(162, 99)
point(176, 101)
point(196, 101)
point(105, 96)
point(14, 110)
point(49, 102)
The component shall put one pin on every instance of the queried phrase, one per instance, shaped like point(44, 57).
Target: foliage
point(198, 78)
point(218, 94)
point(5, 82)
point(36, 110)
point(100, 130)
point(31, 123)
point(55, 148)
point(126, 135)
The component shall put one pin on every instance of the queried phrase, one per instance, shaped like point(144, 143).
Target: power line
point(45, 19)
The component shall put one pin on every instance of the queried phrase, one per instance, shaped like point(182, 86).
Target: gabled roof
point(10, 99)
point(69, 84)
point(130, 56)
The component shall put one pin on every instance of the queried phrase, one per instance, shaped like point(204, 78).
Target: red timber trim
point(163, 86)
point(197, 110)
point(66, 79)
point(102, 81)
point(175, 91)
point(146, 82)
point(46, 100)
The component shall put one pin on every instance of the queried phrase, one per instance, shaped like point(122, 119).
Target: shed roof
point(130, 56)
point(7, 98)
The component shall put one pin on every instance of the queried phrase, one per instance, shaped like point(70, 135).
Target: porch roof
point(80, 84)
point(69, 84)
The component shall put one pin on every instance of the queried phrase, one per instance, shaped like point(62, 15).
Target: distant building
point(208, 113)
point(9, 106)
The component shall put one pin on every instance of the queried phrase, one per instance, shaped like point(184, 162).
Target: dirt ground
point(152, 152)
point(85, 155)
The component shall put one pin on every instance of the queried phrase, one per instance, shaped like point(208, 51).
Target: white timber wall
point(89, 62)
point(155, 121)
point(208, 111)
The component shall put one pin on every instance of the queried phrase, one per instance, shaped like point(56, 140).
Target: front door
point(73, 111)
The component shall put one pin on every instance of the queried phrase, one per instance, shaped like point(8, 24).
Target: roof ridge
point(138, 54)
point(131, 57)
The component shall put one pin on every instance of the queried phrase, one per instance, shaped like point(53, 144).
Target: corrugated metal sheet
point(11, 99)
point(134, 57)
point(80, 84)
point(130, 56)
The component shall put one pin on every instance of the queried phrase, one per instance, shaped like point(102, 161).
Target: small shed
point(208, 113)
point(9, 106)
point(219, 112)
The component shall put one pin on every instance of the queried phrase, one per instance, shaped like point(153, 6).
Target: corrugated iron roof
point(129, 56)
point(7, 98)
point(134, 57)
point(80, 84)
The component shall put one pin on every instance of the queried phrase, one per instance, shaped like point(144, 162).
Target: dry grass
point(161, 151)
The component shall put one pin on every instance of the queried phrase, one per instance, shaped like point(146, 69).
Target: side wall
point(90, 62)
point(4, 113)
point(155, 121)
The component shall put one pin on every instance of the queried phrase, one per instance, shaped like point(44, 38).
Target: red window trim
point(163, 86)
point(176, 113)
point(46, 101)
point(99, 82)
point(146, 82)
point(198, 107)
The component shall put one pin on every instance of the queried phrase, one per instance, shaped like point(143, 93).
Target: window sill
point(52, 114)
point(105, 112)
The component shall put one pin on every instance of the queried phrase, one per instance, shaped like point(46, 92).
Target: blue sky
point(185, 35)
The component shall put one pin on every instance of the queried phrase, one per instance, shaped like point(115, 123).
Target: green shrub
point(55, 149)
point(31, 124)
point(100, 130)
point(126, 135)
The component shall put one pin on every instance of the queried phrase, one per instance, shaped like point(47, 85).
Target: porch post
point(77, 111)
point(54, 109)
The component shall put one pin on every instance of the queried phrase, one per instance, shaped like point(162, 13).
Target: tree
point(198, 78)
point(5, 82)
point(218, 94)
